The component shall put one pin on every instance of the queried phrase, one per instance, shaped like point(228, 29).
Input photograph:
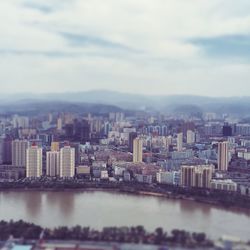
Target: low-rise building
point(9, 172)
point(225, 184)
point(104, 174)
point(168, 177)
point(83, 171)
point(144, 178)
point(126, 176)
point(119, 171)
point(244, 189)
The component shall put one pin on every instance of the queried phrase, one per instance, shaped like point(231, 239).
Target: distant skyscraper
point(187, 126)
point(227, 130)
point(59, 124)
point(53, 163)
point(20, 121)
point(81, 131)
point(50, 117)
point(223, 156)
point(19, 148)
point(137, 150)
point(179, 141)
point(76, 146)
point(1, 150)
point(67, 162)
point(34, 161)
point(190, 137)
point(106, 128)
point(7, 150)
point(132, 136)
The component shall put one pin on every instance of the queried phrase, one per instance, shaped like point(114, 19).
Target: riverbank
point(136, 235)
point(99, 208)
point(214, 198)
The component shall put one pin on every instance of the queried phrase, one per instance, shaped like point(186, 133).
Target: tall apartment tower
point(7, 150)
point(199, 176)
point(223, 156)
point(34, 161)
point(137, 150)
point(179, 141)
point(190, 137)
point(18, 148)
point(132, 136)
point(53, 163)
point(187, 176)
point(67, 162)
point(59, 123)
point(207, 176)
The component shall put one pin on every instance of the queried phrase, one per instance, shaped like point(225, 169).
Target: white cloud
point(160, 57)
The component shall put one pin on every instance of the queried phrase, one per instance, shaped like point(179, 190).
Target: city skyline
point(124, 124)
point(165, 47)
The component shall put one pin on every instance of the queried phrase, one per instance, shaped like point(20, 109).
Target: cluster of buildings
point(59, 161)
point(208, 152)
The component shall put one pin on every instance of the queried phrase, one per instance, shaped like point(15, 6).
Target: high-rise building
point(81, 131)
point(137, 150)
point(19, 148)
point(223, 156)
point(132, 136)
point(20, 121)
point(169, 142)
point(34, 161)
point(1, 149)
point(207, 175)
point(227, 130)
point(55, 146)
point(179, 141)
point(187, 126)
point(7, 153)
point(78, 131)
point(53, 163)
point(67, 162)
point(76, 146)
point(187, 176)
point(59, 123)
point(190, 137)
point(50, 117)
point(196, 176)
point(107, 127)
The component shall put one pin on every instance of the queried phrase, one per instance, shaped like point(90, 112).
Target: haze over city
point(148, 47)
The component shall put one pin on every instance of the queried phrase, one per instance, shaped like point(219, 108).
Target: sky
point(196, 47)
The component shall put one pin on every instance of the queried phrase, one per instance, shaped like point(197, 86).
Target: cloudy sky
point(199, 47)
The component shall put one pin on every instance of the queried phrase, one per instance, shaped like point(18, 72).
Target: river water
point(99, 209)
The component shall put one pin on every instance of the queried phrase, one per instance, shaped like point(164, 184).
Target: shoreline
point(169, 195)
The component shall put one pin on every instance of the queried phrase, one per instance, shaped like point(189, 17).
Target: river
point(99, 209)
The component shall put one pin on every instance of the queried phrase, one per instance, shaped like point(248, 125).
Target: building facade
point(53, 163)
point(196, 176)
point(67, 162)
point(137, 150)
point(34, 161)
point(18, 148)
point(223, 156)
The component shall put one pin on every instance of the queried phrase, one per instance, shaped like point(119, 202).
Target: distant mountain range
point(112, 100)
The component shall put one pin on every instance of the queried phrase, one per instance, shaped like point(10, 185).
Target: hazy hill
point(32, 106)
point(233, 105)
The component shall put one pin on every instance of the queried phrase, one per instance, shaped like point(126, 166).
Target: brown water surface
point(99, 209)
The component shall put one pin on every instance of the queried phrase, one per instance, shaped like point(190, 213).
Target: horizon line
point(117, 92)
